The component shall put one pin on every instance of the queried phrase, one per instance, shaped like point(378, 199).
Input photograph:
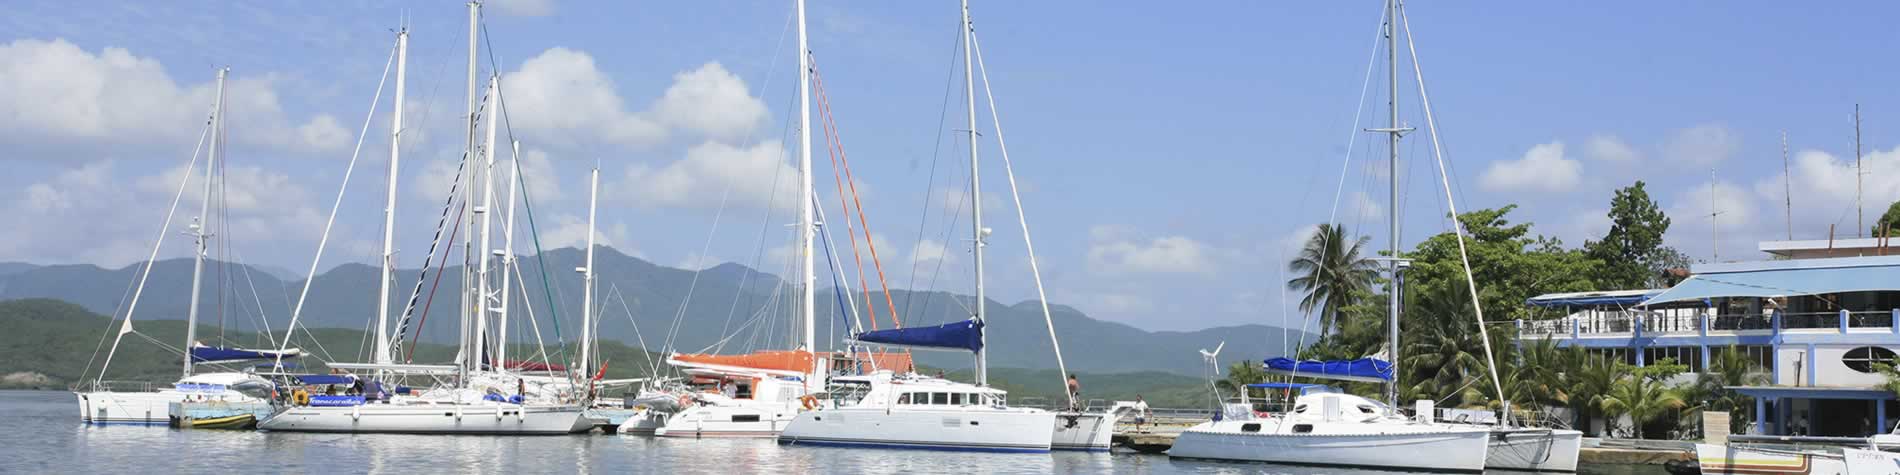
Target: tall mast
point(976, 193)
point(587, 278)
point(1392, 214)
point(807, 225)
point(384, 354)
point(201, 229)
point(466, 356)
point(507, 251)
point(488, 199)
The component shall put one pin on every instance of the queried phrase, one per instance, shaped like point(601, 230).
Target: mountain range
point(728, 308)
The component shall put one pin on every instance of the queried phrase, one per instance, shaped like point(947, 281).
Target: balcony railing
point(1756, 321)
point(1809, 320)
point(1624, 323)
point(1870, 320)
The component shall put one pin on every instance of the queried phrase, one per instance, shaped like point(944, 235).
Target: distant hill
point(730, 303)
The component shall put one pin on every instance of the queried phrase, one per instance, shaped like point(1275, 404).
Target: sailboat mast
point(507, 251)
point(202, 229)
point(807, 225)
point(465, 355)
point(1392, 214)
point(384, 353)
point(976, 193)
point(587, 278)
point(488, 199)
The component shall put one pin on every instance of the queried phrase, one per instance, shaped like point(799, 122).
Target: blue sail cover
point(320, 379)
point(1363, 369)
point(212, 354)
point(967, 335)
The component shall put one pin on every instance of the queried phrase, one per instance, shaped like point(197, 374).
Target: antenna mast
point(1787, 190)
point(1859, 211)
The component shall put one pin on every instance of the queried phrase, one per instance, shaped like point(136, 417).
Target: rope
point(126, 327)
point(410, 355)
point(844, 161)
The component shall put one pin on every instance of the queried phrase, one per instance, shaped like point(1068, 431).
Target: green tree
point(1637, 225)
point(1891, 217)
point(1644, 395)
point(1509, 264)
point(1331, 271)
point(1728, 367)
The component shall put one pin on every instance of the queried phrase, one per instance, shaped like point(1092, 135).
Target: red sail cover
point(785, 360)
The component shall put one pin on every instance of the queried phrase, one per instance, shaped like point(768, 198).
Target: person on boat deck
point(728, 389)
point(1075, 392)
point(1141, 411)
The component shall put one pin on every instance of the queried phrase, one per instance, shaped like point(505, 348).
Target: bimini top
point(1787, 278)
point(1612, 298)
point(1303, 388)
point(1364, 369)
point(964, 335)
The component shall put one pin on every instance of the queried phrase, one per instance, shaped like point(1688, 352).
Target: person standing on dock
point(1141, 412)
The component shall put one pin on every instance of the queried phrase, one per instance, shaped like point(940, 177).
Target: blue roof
point(966, 335)
point(1363, 369)
point(1787, 278)
point(1614, 298)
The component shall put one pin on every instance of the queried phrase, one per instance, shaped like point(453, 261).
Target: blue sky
point(1169, 157)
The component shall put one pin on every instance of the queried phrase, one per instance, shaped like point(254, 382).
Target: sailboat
point(453, 407)
point(103, 403)
point(906, 410)
point(1343, 429)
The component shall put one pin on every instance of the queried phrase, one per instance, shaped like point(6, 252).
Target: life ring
point(300, 397)
point(810, 401)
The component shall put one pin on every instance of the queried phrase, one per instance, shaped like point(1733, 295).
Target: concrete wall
point(1825, 365)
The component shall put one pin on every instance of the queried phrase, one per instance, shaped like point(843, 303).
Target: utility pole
point(1860, 223)
point(1715, 232)
point(1787, 190)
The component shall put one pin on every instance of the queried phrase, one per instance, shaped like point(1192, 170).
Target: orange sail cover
point(783, 360)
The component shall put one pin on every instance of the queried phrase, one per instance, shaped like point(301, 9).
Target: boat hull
point(644, 422)
point(132, 408)
point(1534, 450)
point(1733, 459)
point(1083, 432)
point(703, 422)
point(1009, 430)
point(497, 419)
point(1445, 451)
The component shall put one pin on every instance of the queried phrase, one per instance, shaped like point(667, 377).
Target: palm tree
point(1728, 368)
point(1642, 395)
point(1590, 378)
point(1329, 270)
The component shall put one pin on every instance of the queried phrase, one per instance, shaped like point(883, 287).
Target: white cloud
point(1735, 222)
point(563, 94)
point(1609, 148)
point(930, 250)
point(59, 92)
point(1362, 206)
point(1824, 185)
point(711, 101)
point(1701, 145)
point(1291, 244)
point(569, 230)
point(711, 171)
point(1111, 250)
point(1543, 168)
point(522, 7)
point(695, 261)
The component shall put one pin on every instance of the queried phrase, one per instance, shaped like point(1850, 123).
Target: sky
point(1169, 160)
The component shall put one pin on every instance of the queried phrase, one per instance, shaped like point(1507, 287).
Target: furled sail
point(966, 335)
point(213, 354)
point(1363, 369)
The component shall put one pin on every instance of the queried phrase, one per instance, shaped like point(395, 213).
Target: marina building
point(1816, 317)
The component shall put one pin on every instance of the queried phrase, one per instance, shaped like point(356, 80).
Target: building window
point(1863, 359)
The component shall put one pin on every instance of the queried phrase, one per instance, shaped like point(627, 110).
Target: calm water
point(40, 433)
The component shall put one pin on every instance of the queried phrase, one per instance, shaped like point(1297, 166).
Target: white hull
point(1084, 431)
point(1744, 460)
point(738, 421)
point(1534, 450)
point(1436, 450)
point(644, 422)
point(976, 429)
point(501, 419)
point(106, 407)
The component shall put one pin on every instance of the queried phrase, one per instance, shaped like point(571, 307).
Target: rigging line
point(613, 290)
point(758, 253)
point(845, 287)
point(936, 148)
point(1022, 216)
point(863, 222)
point(1352, 140)
point(1463, 255)
point(528, 304)
point(832, 150)
point(541, 262)
point(126, 325)
point(429, 304)
point(448, 203)
point(311, 277)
